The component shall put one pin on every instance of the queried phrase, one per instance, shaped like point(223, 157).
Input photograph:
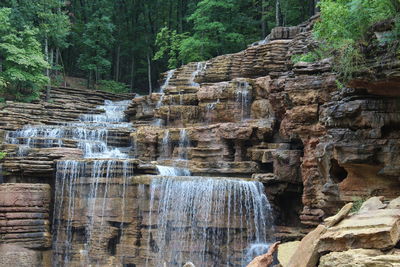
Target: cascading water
point(165, 145)
point(208, 221)
point(243, 96)
point(183, 144)
point(91, 133)
point(170, 73)
point(199, 67)
point(198, 217)
point(84, 187)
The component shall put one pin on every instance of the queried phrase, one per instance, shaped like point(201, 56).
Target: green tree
point(22, 61)
point(97, 40)
point(169, 43)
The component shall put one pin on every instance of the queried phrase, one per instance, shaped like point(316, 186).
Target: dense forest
point(130, 41)
point(124, 45)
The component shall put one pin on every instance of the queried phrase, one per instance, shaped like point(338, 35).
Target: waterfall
point(172, 171)
point(198, 216)
point(165, 145)
point(183, 144)
point(199, 67)
point(210, 107)
point(91, 133)
point(170, 73)
point(84, 188)
point(243, 96)
point(103, 217)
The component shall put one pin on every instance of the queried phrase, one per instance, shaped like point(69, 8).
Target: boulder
point(394, 204)
point(307, 253)
point(266, 259)
point(331, 221)
point(373, 230)
point(374, 203)
point(286, 251)
point(361, 258)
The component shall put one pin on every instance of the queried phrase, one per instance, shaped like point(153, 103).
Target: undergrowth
point(112, 87)
point(342, 32)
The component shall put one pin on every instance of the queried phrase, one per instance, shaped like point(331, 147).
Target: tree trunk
point(117, 64)
point(132, 72)
point(149, 72)
point(46, 51)
point(88, 80)
point(263, 26)
point(278, 13)
point(315, 8)
point(57, 59)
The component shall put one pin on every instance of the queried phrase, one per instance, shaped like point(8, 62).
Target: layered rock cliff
point(252, 115)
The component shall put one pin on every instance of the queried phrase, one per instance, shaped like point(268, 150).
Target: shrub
point(343, 27)
point(112, 87)
point(308, 57)
point(357, 205)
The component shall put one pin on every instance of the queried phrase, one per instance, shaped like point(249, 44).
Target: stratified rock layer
point(24, 215)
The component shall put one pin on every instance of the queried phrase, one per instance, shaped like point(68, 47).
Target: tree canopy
point(131, 41)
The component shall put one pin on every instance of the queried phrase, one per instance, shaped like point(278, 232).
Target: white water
point(90, 133)
point(165, 148)
point(69, 207)
point(170, 73)
point(172, 171)
point(210, 208)
point(243, 96)
point(200, 66)
point(183, 144)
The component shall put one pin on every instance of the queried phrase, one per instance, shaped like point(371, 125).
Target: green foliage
point(343, 26)
point(308, 57)
point(113, 40)
point(112, 87)
point(97, 39)
point(214, 30)
point(22, 63)
point(2, 155)
point(169, 43)
point(357, 205)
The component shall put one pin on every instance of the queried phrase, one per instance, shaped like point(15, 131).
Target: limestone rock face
point(11, 255)
point(365, 238)
point(24, 215)
point(377, 229)
point(285, 252)
point(361, 258)
point(306, 254)
point(67, 105)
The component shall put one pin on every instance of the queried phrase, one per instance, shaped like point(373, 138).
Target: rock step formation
point(24, 215)
point(67, 105)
